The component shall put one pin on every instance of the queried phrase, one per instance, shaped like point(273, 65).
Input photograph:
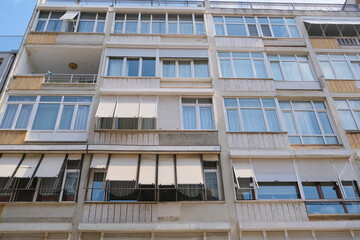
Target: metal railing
point(348, 41)
point(284, 6)
point(70, 78)
point(168, 3)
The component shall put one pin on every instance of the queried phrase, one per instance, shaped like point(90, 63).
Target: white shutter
point(147, 169)
point(127, 107)
point(273, 170)
point(252, 236)
point(90, 236)
point(188, 169)
point(300, 235)
point(333, 235)
point(99, 161)
point(127, 236)
point(242, 168)
point(74, 156)
point(179, 236)
point(344, 170)
point(122, 168)
point(217, 236)
point(28, 166)
point(148, 107)
point(8, 164)
point(166, 171)
point(275, 235)
point(106, 107)
point(50, 166)
point(69, 15)
point(210, 157)
point(57, 236)
point(313, 170)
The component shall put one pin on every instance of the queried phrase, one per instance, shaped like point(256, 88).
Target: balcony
point(70, 78)
point(150, 3)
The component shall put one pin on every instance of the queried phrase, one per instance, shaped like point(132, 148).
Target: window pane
point(268, 102)
point(172, 28)
point(331, 140)
point(131, 27)
point(225, 69)
point(306, 72)
point(249, 102)
point(266, 30)
point(347, 120)
point(148, 123)
point(24, 116)
point(66, 117)
point(278, 191)
point(329, 190)
point(82, 117)
point(158, 27)
point(236, 29)
point(82, 99)
point(260, 69)
point(233, 120)
point(272, 121)
point(302, 105)
point(50, 99)
point(201, 68)
point(291, 71)
point(351, 190)
point(98, 190)
point(253, 30)
point(206, 118)
point(9, 116)
point(356, 67)
point(200, 30)
point(86, 26)
point(22, 98)
point(342, 70)
point(325, 123)
point(289, 121)
point(327, 71)
point(325, 208)
point(219, 28)
point(40, 26)
point(100, 27)
point(294, 140)
point(127, 123)
point(115, 67)
point(132, 67)
point(189, 117)
point(184, 69)
point(310, 191)
point(46, 116)
point(294, 32)
point(313, 140)
point(148, 67)
point(70, 186)
point(280, 31)
point(307, 122)
point(118, 27)
point(243, 68)
point(211, 182)
point(169, 69)
point(186, 28)
point(54, 26)
point(230, 102)
point(145, 28)
point(276, 71)
point(252, 120)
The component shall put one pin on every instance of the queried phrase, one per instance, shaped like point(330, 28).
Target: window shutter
point(127, 107)
point(50, 166)
point(148, 108)
point(147, 169)
point(166, 172)
point(28, 166)
point(69, 15)
point(344, 170)
point(99, 161)
point(313, 170)
point(106, 107)
point(8, 164)
point(242, 169)
point(300, 235)
point(274, 170)
point(122, 168)
point(210, 157)
point(333, 235)
point(189, 170)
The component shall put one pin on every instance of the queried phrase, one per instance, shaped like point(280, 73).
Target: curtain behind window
point(82, 117)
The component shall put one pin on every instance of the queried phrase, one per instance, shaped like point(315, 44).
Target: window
point(339, 66)
point(197, 113)
point(256, 26)
point(332, 30)
point(185, 68)
point(291, 68)
point(211, 176)
point(49, 22)
point(242, 65)
point(307, 122)
point(251, 115)
point(18, 111)
point(131, 67)
point(145, 23)
point(351, 190)
point(278, 190)
point(349, 111)
point(70, 180)
point(87, 22)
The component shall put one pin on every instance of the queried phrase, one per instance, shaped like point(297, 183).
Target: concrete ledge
point(163, 149)
point(41, 148)
point(268, 153)
point(157, 91)
point(157, 227)
point(35, 227)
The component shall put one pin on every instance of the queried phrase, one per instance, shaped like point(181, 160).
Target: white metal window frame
point(297, 60)
point(216, 171)
point(197, 112)
point(19, 105)
point(46, 20)
point(139, 22)
point(224, 25)
point(123, 68)
point(347, 59)
point(177, 71)
point(351, 109)
point(316, 112)
point(78, 20)
point(251, 59)
point(263, 109)
point(66, 172)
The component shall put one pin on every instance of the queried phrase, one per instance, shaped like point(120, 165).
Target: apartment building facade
point(206, 120)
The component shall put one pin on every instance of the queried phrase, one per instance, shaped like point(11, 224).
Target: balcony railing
point(70, 78)
point(157, 3)
point(284, 6)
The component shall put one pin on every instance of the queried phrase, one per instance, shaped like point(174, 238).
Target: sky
point(15, 16)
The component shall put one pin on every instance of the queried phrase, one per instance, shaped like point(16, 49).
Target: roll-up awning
point(127, 107)
point(106, 107)
point(242, 168)
point(273, 170)
point(28, 166)
point(314, 170)
point(50, 166)
point(147, 169)
point(344, 170)
point(99, 161)
point(122, 168)
point(69, 15)
point(166, 171)
point(74, 156)
point(331, 21)
point(210, 157)
point(148, 107)
point(8, 164)
point(188, 169)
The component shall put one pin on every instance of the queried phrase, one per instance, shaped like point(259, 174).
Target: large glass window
point(49, 22)
point(131, 67)
point(332, 30)
point(349, 111)
point(18, 111)
point(291, 68)
point(211, 176)
point(185, 68)
point(340, 66)
point(307, 122)
point(278, 190)
point(251, 115)
point(197, 113)
point(146, 23)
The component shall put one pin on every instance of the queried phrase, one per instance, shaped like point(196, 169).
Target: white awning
point(122, 168)
point(314, 170)
point(344, 170)
point(210, 157)
point(242, 169)
point(106, 107)
point(69, 15)
point(273, 170)
point(74, 156)
point(28, 166)
point(166, 171)
point(332, 21)
point(50, 166)
point(99, 161)
point(147, 169)
point(8, 164)
point(188, 169)
point(148, 107)
point(127, 107)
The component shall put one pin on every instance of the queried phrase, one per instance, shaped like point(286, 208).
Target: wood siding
point(258, 140)
point(354, 139)
point(110, 82)
point(342, 86)
point(1, 211)
point(238, 42)
point(272, 212)
point(232, 85)
point(119, 213)
point(324, 43)
point(148, 139)
point(27, 82)
point(42, 38)
point(12, 136)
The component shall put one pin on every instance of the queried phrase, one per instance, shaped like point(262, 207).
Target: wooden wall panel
point(342, 86)
point(110, 82)
point(12, 136)
point(272, 212)
point(26, 82)
point(238, 42)
point(1, 211)
point(42, 38)
point(119, 213)
point(354, 139)
point(148, 139)
point(247, 85)
point(258, 140)
point(324, 43)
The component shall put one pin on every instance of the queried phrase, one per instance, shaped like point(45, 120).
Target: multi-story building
point(6, 61)
point(193, 120)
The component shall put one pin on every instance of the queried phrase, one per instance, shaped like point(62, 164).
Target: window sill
point(257, 132)
point(352, 131)
point(72, 203)
point(68, 33)
point(13, 130)
point(160, 35)
point(147, 202)
point(271, 201)
point(227, 36)
point(191, 79)
point(149, 130)
point(340, 216)
point(125, 77)
point(234, 78)
point(341, 79)
point(317, 146)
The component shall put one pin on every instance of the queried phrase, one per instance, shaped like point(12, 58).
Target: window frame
point(197, 106)
point(124, 64)
point(352, 110)
point(177, 69)
point(217, 172)
point(331, 64)
point(78, 19)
